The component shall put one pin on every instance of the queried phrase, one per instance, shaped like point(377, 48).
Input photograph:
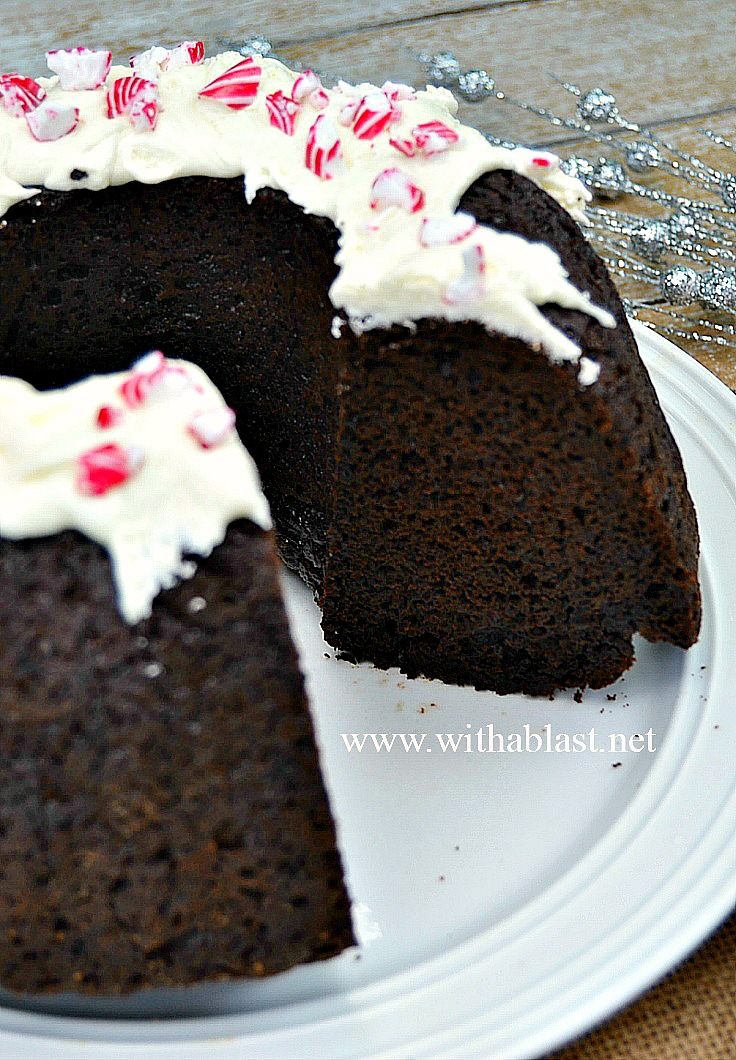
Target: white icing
point(588, 371)
point(386, 276)
point(180, 498)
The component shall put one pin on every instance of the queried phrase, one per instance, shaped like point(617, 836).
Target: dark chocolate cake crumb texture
point(162, 816)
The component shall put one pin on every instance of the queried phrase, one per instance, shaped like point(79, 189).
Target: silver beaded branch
point(682, 260)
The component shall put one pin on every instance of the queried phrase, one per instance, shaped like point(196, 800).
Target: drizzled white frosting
point(386, 275)
point(185, 474)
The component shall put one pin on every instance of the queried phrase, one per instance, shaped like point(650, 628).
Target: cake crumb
point(578, 697)
point(615, 765)
point(611, 697)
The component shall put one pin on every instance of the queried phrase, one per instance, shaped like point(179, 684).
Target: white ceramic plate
point(506, 901)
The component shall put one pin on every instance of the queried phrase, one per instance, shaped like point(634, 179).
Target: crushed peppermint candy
point(79, 68)
point(212, 427)
point(443, 231)
point(348, 112)
point(156, 60)
point(324, 151)
point(308, 88)
point(398, 92)
point(20, 95)
point(469, 285)
point(237, 88)
point(530, 162)
point(433, 137)
point(109, 416)
point(103, 468)
point(154, 377)
point(373, 114)
point(282, 112)
point(50, 121)
point(137, 99)
point(406, 147)
point(393, 187)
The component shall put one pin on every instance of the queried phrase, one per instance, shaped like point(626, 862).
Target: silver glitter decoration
point(582, 168)
point(675, 240)
point(651, 240)
point(680, 285)
point(597, 105)
point(475, 85)
point(643, 155)
point(728, 191)
point(443, 68)
point(609, 179)
point(718, 289)
point(682, 225)
point(255, 46)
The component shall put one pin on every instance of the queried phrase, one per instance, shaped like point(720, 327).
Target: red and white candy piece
point(103, 468)
point(237, 88)
point(187, 53)
point(406, 147)
point(532, 163)
point(79, 68)
point(373, 114)
point(398, 92)
point(308, 89)
point(468, 287)
point(109, 416)
point(392, 187)
point(433, 137)
point(305, 84)
point(282, 112)
point(153, 377)
point(20, 95)
point(348, 112)
point(153, 61)
point(324, 151)
point(50, 121)
point(212, 427)
point(136, 98)
point(443, 231)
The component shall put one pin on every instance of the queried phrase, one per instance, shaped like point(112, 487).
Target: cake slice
point(163, 820)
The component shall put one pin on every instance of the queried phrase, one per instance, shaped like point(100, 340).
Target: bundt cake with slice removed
point(462, 450)
point(163, 819)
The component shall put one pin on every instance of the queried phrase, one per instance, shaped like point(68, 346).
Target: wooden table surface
point(668, 62)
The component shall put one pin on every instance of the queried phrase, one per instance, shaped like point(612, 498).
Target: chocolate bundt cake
point(463, 452)
point(162, 815)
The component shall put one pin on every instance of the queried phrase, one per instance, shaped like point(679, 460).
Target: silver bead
point(650, 241)
point(718, 289)
point(575, 166)
point(475, 85)
point(443, 68)
point(680, 285)
point(255, 46)
point(642, 155)
point(682, 227)
point(597, 105)
point(728, 191)
point(609, 179)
